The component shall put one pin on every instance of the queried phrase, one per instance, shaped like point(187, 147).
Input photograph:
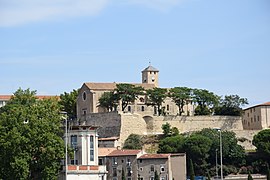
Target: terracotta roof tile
point(5, 97)
point(111, 86)
point(124, 152)
point(8, 97)
point(263, 104)
point(154, 156)
point(105, 151)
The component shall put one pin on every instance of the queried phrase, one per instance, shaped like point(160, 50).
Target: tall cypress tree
point(268, 173)
point(191, 170)
point(249, 176)
point(123, 174)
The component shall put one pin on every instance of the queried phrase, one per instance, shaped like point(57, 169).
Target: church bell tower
point(150, 75)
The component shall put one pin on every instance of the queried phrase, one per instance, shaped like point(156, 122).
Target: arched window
point(142, 109)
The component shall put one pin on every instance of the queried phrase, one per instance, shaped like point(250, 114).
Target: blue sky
point(54, 46)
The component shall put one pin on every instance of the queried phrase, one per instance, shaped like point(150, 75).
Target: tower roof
point(150, 68)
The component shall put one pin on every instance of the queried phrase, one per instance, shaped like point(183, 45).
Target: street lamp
point(220, 145)
point(66, 141)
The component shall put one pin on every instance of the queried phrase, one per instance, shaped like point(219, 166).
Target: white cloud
point(16, 12)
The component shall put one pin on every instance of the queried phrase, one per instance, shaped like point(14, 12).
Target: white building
point(83, 165)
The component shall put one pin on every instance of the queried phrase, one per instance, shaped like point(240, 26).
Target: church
point(90, 92)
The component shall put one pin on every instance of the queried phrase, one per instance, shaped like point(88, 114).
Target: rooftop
point(124, 152)
point(112, 86)
point(150, 68)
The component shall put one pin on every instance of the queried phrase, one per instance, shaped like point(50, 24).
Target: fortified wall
point(119, 124)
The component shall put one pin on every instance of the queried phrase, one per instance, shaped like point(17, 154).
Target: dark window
point(114, 172)
point(84, 95)
point(100, 161)
point(129, 172)
point(168, 107)
point(152, 168)
point(129, 108)
point(142, 108)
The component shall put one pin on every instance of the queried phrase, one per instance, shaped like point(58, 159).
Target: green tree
point(68, 102)
point(171, 144)
point(123, 174)
point(197, 148)
point(181, 96)
point(108, 100)
point(166, 129)
point(231, 105)
point(206, 101)
point(262, 142)
point(127, 93)
point(30, 137)
point(249, 176)
point(133, 141)
point(156, 177)
point(191, 172)
point(156, 97)
point(233, 154)
point(267, 173)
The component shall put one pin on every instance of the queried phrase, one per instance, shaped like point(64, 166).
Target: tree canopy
point(156, 97)
point(127, 93)
point(108, 100)
point(181, 96)
point(206, 101)
point(133, 141)
point(231, 105)
point(262, 142)
point(68, 102)
point(30, 137)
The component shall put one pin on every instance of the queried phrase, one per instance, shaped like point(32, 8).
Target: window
point(142, 109)
point(162, 168)
point(141, 169)
point(162, 178)
point(100, 161)
point(91, 148)
point(254, 118)
point(73, 141)
point(129, 108)
point(152, 168)
point(140, 160)
point(258, 118)
point(248, 114)
point(74, 162)
point(114, 160)
point(84, 96)
point(129, 172)
point(140, 178)
point(168, 107)
point(141, 99)
point(152, 178)
point(114, 172)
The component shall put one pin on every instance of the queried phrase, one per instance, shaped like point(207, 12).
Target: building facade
point(83, 165)
point(257, 117)
point(137, 165)
point(89, 94)
point(167, 166)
